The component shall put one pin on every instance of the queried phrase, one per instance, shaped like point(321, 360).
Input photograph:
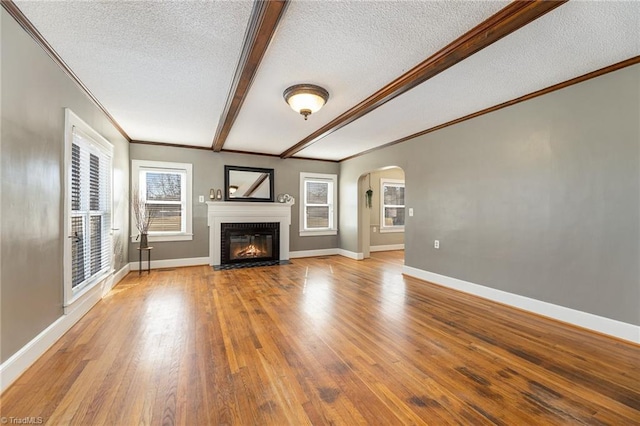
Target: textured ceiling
point(351, 48)
point(573, 40)
point(163, 69)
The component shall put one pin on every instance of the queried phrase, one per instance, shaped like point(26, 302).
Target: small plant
point(142, 214)
point(369, 199)
point(369, 194)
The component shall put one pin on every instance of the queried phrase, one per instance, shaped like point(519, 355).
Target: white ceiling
point(352, 49)
point(163, 69)
point(574, 39)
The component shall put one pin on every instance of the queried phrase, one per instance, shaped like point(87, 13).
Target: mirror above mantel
point(248, 184)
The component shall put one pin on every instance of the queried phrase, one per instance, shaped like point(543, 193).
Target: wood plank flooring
point(322, 341)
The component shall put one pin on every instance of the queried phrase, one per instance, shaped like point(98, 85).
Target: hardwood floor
point(322, 341)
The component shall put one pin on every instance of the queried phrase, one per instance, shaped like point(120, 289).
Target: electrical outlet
point(201, 198)
point(436, 244)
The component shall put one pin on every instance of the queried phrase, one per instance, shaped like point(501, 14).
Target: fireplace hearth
point(249, 244)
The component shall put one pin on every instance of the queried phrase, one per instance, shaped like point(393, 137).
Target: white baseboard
point(593, 322)
point(115, 279)
point(326, 252)
point(387, 247)
point(171, 263)
point(312, 253)
point(341, 252)
point(18, 363)
point(351, 254)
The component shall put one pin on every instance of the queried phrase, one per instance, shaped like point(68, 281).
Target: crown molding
point(225, 151)
point(615, 67)
point(171, 145)
point(233, 151)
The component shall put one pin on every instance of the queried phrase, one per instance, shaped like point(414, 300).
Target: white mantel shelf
point(220, 212)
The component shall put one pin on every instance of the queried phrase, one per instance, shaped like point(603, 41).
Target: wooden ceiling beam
point(509, 19)
point(263, 22)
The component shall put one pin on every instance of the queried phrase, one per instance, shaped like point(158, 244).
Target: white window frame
point(332, 179)
point(390, 182)
point(98, 145)
point(186, 169)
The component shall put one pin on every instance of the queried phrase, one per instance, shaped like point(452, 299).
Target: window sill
point(167, 237)
point(318, 233)
point(390, 230)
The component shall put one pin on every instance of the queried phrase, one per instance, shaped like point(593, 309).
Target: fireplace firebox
point(249, 244)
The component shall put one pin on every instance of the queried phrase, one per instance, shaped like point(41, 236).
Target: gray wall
point(540, 199)
point(208, 172)
point(35, 92)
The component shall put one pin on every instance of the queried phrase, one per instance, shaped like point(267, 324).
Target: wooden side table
point(148, 250)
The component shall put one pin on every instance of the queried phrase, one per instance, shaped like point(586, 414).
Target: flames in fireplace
point(249, 243)
point(250, 246)
point(250, 251)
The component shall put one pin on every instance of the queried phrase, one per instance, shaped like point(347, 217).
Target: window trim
point(187, 168)
point(390, 182)
point(72, 296)
point(333, 205)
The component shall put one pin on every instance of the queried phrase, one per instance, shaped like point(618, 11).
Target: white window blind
point(165, 199)
point(317, 205)
point(165, 189)
point(318, 215)
point(90, 212)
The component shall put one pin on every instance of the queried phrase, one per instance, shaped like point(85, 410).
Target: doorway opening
point(382, 216)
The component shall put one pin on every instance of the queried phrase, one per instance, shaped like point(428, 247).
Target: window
point(392, 205)
point(165, 189)
point(88, 205)
point(318, 213)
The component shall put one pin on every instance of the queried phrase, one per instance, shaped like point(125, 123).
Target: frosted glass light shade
point(306, 98)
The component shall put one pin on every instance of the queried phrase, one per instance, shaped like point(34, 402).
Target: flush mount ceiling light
point(305, 98)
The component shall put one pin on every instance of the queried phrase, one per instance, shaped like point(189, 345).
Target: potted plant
point(369, 194)
point(369, 197)
point(143, 217)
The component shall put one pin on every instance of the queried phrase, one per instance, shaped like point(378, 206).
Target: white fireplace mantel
point(220, 212)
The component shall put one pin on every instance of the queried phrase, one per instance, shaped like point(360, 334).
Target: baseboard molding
point(312, 253)
point(328, 252)
point(341, 252)
point(351, 254)
point(387, 247)
point(593, 322)
point(18, 363)
point(115, 279)
point(171, 263)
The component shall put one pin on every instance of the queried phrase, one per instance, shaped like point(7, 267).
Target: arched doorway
point(382, 214)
